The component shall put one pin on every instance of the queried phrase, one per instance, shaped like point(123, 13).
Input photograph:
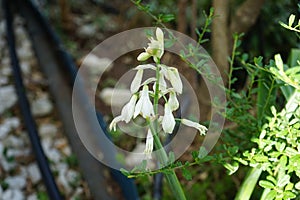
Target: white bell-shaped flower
point(144, 105)
point(137, 80)
point(172, 75)
point(173, 102)
point(202, 129)
point(155, 47)
point(128, 110)
point(113, 124)
point(168, 121)
point(149, 145)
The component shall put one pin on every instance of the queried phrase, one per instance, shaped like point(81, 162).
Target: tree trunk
point(219, 37)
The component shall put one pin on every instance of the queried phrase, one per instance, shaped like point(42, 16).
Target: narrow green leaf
point(125, 172)
point(291, 20)
point(167, 18)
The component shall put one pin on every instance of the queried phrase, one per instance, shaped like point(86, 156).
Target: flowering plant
point(144, 103)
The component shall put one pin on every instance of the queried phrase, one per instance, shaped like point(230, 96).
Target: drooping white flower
point(172, 75)
point(173, 102)
point(149, 145)
point(144, 105)
point(168, 121)
point(202, 129)
point(128, 110)
point(113, 124)
point(155, 47)
point(137, 80)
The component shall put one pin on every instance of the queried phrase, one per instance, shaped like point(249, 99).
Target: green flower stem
point(245, 191)
point(161, 153)
point(163, 159)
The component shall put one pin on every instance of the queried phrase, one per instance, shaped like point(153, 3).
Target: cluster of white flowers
point(140, 103)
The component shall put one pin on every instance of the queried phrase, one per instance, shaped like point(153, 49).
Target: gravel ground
point(19, 175)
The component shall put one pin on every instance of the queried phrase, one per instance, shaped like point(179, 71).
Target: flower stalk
point(141, 105)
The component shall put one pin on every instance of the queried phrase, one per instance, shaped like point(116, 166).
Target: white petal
point(144, 105)
point(146, 66)
point(159, 34)
point(149, 145)
point(136, 82)
point(173, 102)
point(147, 107)
point(160, 39)
point(175, 80)
point(162, 83)
point(202, 129)
point(168, 122)
point(149, 80)
point(128, 110)
point(143, 56)
point(114, 122)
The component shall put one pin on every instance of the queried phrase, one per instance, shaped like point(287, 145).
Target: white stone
point(3, 80)
point(95, 65)
point(15, 152)
point(67, 151)
point(16, 182)
point(8, 97)
point(115, 97)
point(12, 195)
point(8, 125)
point(7, 166)
point(34, 173)
point(88, 30)
point(62, 169)
point(24, 53)
point(53, 155)
point(6, 70)
point(42, 106)
point(32, 197)
point(71, 175)
point(25, 67)
point(47, 130)
point(14, 141)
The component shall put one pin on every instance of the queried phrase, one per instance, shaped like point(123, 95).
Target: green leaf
point(167, 18)
point(283, 181)
point(291, 20)
point(232, 168)
point(272, 179)
point(186, 174)
point(289, 186)
point(125, 172)
point(271, 195)
point(171, 157)
point(288, 195)
point(202, 152)
point(260, 158)
point(280, 146)
point(266, 184)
